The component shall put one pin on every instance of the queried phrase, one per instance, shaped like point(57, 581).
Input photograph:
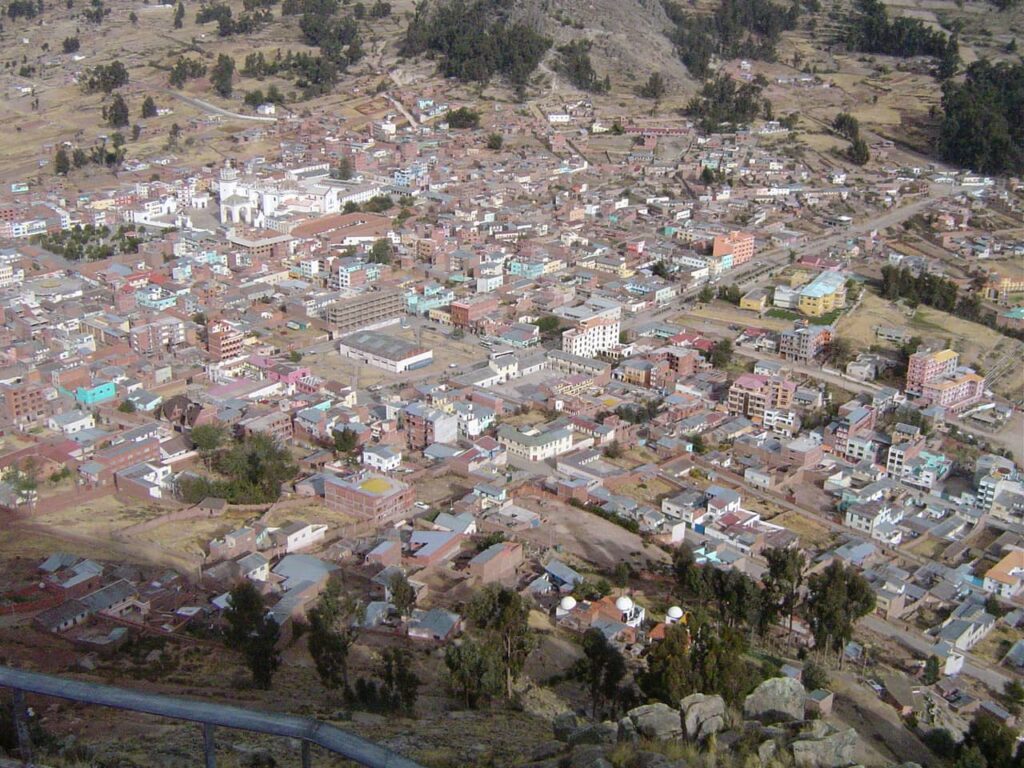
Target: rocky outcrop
point(565, 725)
point(702, 715)
point(775, 700)
point(657, 721)
point(834, 749)
point(598, 733)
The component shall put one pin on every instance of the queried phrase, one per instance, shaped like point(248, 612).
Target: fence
point(210, 715)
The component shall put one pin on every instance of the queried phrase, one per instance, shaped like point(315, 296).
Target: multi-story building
point(533, 444)
point(926, 366)
point(26, 402)
point(472, 311)
point(806, 344)
point(591, 336)
point(854, 421)
point(161, 334)
point(224, 341)
point(823, 294)
point(364, 310)
point(751, 395)
point(425, 426)
point(739, 244)
point(956, 392)
point(105, 463)
point(368, 496)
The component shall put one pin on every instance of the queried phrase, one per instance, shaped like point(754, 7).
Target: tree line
point(982, 127)
point(872, 31)
point(475, 41)
point(736, 28)
point(251, 469)
point(722, 101)
point(933, 290)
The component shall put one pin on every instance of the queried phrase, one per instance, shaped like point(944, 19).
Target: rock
point(779, 698)
point(833, 751)
point(368, 718)
point(87, 662)
point(650, 760)
point(546, 750)
point(627, 731)
point(565, 725)
point(588, 756)
point(766, 751)
point(817, 729)
point(702, 715)
point(598, 733)
point(154, 656)
point(657, 721)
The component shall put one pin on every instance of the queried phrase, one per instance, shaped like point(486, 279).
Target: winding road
point(213, 109)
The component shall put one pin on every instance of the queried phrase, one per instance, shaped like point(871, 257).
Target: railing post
point(307, 760)
point(21, 727)
point(209, 749)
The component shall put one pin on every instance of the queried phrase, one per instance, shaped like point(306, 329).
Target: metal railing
point(210, 715)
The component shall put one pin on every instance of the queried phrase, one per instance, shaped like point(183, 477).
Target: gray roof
point(298, 568)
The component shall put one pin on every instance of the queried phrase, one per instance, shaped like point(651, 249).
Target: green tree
point(815, 676)
point(995, 741)
point(179, 15)
point(71, 45)
point(126, 406)
point(61, 162)
point(345, 440)
point(332, 632)
point(836, 598)
point(494, 141)
point(399, 684)
point(208, 439)
point(380, 252)
point(689, 575)
point(784, 579)
point(295, 356)
point(463, 117)
point(501, 613)
point(116, 113)
point(654, 88)
point(148, 107)
point(343, 171)
point(548, 324)
point(858, 152)
point(931, 670)
point(661, 269)
point(474, 670)
point(253, 632)
point(603, 668)
point(222, 74)
point(721, 354)
point(403, 596)
point(257, 466)
point(706, 295)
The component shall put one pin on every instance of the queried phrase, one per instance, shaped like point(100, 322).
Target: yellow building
point(823, 294)
point(755, 300)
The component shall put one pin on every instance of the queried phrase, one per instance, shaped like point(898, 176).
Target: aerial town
point(512, 432)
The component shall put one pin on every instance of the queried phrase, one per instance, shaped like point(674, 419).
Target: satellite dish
point(568, 603)
point(624, 604)
point(675, 613)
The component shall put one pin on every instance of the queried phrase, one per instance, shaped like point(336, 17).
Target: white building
point(71, 422)
point(534, 445)
point(381, 458)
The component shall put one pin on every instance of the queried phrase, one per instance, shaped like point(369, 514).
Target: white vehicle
point(421, 505)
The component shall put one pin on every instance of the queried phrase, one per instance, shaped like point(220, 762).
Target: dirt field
point(997, 356)
point(588, 537)
point(723, 312)
point(813, 535)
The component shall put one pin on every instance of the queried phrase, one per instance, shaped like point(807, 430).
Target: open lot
point(996, 355)
point(812, 535)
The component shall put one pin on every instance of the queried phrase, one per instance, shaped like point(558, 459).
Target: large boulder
point(833, 751)
point(588, 756)
point(627, 731)
point(702, 715)
point(598, 733)
point(657, 721)
point(565, 725)
point(775, 700)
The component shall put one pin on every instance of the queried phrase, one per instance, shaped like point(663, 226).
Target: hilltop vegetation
point(983, 127)
point(475, 40)
point(747, 28)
